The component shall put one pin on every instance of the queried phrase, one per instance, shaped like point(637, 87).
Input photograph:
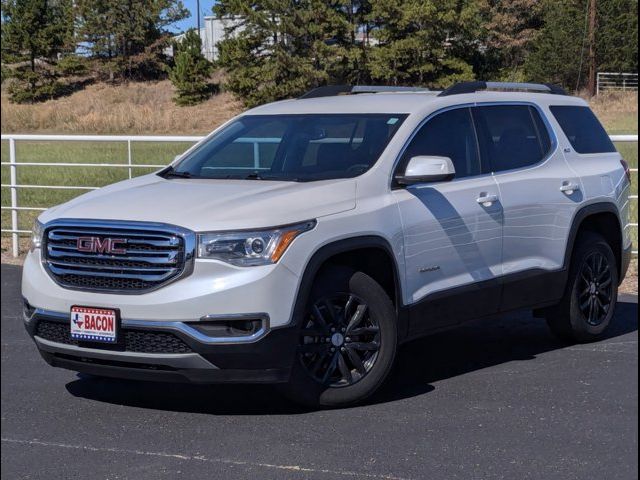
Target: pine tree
point(191, 71)
point(34, 34)
point(127, 35)
point(282, 48)
point(423, 42)
point(560, 51)
point(353, 42)
point(617, 36)
point(510, 27)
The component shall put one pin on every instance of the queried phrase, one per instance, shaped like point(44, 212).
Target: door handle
point(487, 200)
point(569, 188)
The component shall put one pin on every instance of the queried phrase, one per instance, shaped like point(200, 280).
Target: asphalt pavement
point(494, 399)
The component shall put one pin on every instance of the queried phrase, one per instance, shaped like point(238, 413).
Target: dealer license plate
point(93, 324)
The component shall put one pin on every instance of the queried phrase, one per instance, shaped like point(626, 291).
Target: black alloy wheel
point(340, 342)
point(347, 340)
point(595, 288)
point(589, 302)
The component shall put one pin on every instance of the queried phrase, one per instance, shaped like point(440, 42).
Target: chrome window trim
point(188, 238)
point(179, 326)
point(550, 130)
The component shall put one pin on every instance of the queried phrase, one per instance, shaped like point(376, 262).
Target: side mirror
point(425, 169)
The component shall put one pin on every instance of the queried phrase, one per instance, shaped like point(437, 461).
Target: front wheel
point(347, 341)
point(592, 291)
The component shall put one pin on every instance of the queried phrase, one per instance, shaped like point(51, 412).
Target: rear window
point(584, 130)
point(511, 136)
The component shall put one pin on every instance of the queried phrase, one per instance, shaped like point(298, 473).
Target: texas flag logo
point(76, 319)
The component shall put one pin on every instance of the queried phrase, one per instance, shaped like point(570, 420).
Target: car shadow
point(474, 346)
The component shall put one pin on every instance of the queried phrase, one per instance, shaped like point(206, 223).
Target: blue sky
point(205, 10)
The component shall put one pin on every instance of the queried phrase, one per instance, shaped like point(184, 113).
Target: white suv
point(303, 241)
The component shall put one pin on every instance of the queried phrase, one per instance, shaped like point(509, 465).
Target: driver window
point(255, 149)
point(449, 134)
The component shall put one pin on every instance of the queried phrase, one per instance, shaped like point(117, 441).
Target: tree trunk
point(592, 47)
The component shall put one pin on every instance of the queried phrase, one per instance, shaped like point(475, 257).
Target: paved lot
point(494, 399)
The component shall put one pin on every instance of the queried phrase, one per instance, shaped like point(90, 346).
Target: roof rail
point(333, 90)
point(472, 87)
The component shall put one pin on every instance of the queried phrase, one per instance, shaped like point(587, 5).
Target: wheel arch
point(602, 218)
point(370, 254)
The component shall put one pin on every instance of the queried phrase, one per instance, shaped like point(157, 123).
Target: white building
point(213, 31)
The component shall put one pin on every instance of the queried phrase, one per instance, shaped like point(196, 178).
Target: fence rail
point(607, 81)
point(13, 165)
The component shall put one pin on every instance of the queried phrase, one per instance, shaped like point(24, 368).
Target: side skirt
point(532, 289)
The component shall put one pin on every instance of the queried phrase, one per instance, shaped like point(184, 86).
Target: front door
point(452, 230)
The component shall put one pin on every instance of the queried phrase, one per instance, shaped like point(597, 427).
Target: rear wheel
point(347, 341)
point(592, 291)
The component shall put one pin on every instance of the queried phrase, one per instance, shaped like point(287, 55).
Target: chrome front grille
point(122, 257)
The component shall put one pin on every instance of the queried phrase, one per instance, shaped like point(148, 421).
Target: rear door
point(592, 155)
point(539, 195)
point(452, 230)
point(590, 151)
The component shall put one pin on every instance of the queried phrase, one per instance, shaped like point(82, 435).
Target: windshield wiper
point(172, 173)
point(277, 178)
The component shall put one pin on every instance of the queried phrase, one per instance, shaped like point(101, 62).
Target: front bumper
point(166, 351)
point(212, 289)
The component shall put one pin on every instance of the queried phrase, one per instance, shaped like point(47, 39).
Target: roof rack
point(333, 90)
point(472, 87)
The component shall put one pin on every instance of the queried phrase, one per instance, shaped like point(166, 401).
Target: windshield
point(291, 147)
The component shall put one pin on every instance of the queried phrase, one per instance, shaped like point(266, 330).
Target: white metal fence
point(13, 165)
point(617, 81)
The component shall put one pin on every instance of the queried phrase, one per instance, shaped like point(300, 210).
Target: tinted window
point(583, 129)
point(449, 134)
point(293, 147)
point(255, 149)
point(511, 136)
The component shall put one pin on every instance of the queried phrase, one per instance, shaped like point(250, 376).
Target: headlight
point(36, 236)
point(250, 248)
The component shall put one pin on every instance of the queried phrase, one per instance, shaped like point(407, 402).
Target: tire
point(591, 294)
point(363, 341)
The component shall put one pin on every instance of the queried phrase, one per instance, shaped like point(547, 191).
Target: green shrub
point(72, 65)
point(28, 86)
point(6, 73)
point(190, 72)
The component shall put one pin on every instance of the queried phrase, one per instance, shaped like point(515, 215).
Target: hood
point(202, 205)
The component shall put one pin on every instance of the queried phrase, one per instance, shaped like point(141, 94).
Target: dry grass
point(630, 284)
point(136, 108)
point(618, 111)
point(6, 251)
point(147, 108)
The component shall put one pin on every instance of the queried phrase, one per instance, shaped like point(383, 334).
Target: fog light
point(228, 328)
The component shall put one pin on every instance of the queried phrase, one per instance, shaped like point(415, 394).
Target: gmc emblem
point(114, 246)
